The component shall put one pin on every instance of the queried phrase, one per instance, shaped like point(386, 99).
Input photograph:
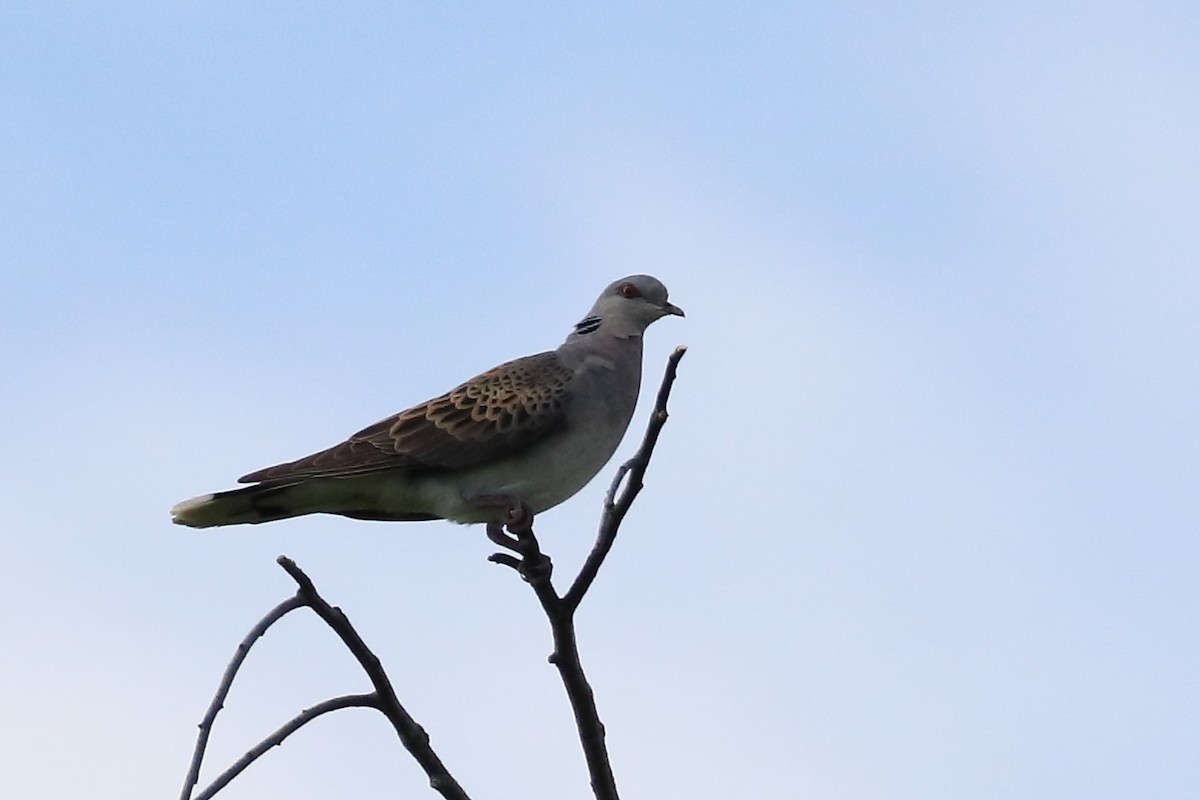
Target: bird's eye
point(629, 290)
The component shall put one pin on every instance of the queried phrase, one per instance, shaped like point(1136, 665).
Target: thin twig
point(218, 701)
point(631, 473)
point(287, 729)
point(411, 734)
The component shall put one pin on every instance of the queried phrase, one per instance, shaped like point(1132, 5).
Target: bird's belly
point(542, 477)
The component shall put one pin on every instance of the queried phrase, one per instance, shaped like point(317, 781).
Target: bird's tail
point(252, 505)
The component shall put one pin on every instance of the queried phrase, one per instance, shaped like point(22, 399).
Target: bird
point(527, 434)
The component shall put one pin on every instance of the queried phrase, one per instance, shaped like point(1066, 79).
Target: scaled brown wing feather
point(491, 415)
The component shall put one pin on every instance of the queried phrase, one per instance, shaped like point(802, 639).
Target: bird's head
point(630, 303)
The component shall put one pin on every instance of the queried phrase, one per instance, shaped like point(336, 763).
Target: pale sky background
point(924, 522)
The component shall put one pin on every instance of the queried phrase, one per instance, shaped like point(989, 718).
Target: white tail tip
point(192, 512)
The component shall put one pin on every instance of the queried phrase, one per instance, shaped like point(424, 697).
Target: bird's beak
point(675, 310)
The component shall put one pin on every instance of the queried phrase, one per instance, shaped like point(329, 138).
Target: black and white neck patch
point(587, 325)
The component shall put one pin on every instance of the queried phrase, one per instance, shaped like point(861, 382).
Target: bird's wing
point(493, 414)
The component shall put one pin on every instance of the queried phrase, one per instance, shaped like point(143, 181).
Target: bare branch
point(534, 567)
point(411, 734)
point(291, 726)
point(218, 701)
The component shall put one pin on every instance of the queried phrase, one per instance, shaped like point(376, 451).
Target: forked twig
point(411, 734)
point(218, 701)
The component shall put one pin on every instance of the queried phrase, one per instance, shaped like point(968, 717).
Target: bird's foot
point(496, 532)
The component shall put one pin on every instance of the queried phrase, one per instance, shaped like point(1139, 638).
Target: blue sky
point(923, 522)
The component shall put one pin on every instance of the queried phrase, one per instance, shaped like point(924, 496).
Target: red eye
point(629, 290)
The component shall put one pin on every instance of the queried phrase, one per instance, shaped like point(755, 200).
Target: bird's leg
point(535, 565)
point(516, 534)
point(504, 505)
point(518, 518)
